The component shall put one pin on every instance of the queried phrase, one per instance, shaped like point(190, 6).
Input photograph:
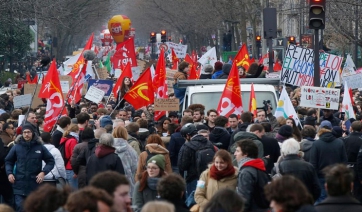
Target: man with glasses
point(7, 135)
point(28, 154)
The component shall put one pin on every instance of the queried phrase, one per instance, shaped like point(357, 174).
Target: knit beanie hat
point(159, 160)
point(226, 68)
point(28, 127)
point(218, 66)
point(286, 131)
point(309, 120)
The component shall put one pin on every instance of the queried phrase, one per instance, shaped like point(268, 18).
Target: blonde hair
point(71, 128)
point(5, 208)
point(281, 121)
point(120, 132)
point(156, 206)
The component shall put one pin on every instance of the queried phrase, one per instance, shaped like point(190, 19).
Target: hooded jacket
point(252, 136)
point(153, 149)
point(334, 120)
point(104, 159)
point(216, 74)
point(225, 71)
point(306, 146)
point(247, 179)
point(70, 143)
point(134, 142)
point(352, 142)
point(186, 157)
point(59, 168)
point(129, 159)
point(143, 134)
point(327, 150)
point(28, 157)
point(220, 137)
point(77, 168)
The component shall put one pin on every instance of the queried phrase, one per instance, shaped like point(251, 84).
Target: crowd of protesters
point(106, 158)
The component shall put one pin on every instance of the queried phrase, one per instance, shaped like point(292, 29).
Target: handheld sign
point(94, 94)
point(104, 85)
point(317, 97)
point(167, 104)
point(22, 101)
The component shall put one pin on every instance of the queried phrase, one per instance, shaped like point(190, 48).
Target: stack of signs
point(350, 75)
point(298, 67)
point(318, 97)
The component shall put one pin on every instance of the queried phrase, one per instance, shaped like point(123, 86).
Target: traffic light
point(317, 14)
point(163, 36)
point(258, 41)
point(291, 40)
point(153, 37)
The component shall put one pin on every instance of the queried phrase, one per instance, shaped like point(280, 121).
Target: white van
point(208, 92)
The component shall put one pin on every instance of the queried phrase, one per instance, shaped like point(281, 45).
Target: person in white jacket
point(59, 168)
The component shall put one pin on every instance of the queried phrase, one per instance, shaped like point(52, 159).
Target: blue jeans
point(73, 182)
point(191, 186)
point(323, 195)
point(19, 200)
point(175, 170)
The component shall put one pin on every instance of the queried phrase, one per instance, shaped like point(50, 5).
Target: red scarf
point(218, 175)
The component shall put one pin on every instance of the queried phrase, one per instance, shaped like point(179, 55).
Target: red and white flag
point(230, 101)
point(160, 83)
point(52, 91)
point(125, 53)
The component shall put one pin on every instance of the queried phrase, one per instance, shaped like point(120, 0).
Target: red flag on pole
point(126, 72)
point(243, 58)
point(125, 53)
point(52, 91)
point(192, 73)
point(230, 101)
point(160, 83)
point(252, 101)
point(141, 93)
point(175, 60)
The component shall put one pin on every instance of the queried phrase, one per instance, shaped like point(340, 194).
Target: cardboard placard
point(65, 86)
point(318, 97)
point(167, 105)
point(94, 94)
point(169, 78)
point(22, 101)
point(298, 67)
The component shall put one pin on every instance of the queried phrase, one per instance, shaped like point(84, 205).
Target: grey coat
point(140, 198)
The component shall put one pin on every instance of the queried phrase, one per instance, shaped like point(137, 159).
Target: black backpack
point(258, 194)
point(149, 156)
point(204, 157)
point(62, 148)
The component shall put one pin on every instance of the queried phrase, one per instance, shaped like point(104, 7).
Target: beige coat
point(155, 149)
point(203, 195)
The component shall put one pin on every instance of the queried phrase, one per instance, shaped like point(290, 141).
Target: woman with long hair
point(125, 87)
point(154, 146)
point(146, 189)
point(70, 139)
point(221, 174)
point(163, 126)
point(126, 153)
point(296, 132)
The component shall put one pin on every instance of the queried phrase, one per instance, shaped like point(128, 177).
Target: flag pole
point(116, 107)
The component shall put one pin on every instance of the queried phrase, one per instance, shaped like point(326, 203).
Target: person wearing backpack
point(194, 156)
point(252, 176)
point(221, 174)
point(66, 147)
point(154, 147)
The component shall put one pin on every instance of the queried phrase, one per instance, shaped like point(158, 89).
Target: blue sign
point(104, 85)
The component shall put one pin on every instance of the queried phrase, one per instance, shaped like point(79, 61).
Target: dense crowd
point(108, 156)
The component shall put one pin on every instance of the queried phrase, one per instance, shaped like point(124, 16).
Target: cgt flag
point(252, 101)
point(193, 73)
point(175, 60)
point(242, 58)
point(52, 91)
point(160, 83)
point(230, 101)
point(125, 53)
point(141, 93)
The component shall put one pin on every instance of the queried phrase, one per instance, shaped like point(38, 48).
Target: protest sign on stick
point(22, 101)
point(94, 94)
point(318, 97)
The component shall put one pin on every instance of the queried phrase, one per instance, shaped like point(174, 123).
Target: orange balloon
point(119, 27)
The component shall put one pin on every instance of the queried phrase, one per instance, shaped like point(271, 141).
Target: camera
point(267, 105)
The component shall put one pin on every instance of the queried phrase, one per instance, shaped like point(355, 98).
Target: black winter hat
point(226, 68)
point(286, 131)
point(87, 133)
point(28, 127)
point(309, 120)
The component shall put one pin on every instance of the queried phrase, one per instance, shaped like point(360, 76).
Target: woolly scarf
point(243, 161)
point(152, 182)
point(218, 175)
point(75, 135)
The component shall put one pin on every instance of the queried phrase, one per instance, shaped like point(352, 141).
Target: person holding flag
point(181, 74)
point(123, 85)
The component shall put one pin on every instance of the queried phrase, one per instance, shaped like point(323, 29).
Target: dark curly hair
point(171, 187)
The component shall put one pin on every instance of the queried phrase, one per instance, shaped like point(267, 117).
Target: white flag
point(68, 65)
point(153, 71)
point(209, 57)
point(285, 108)
point(349, 67)
point(347, 104)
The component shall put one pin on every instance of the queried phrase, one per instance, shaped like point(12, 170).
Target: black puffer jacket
point(304, 171)
point(334, 120)
point(220, 137)
point(174, 147)
point(186, 157)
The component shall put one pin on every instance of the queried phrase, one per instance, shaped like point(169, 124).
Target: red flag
point(194, 56)
point(125, 53)
point(252, 101)
point(175, 60)
point(34, 81)
point(243, 58)
point(126, 72)
point(351, 95)
point(52, 90)
point(192, 73)
point(277, 66)
point(230, 101)
point(160, 83)
point(141, 93)
point(76, 67)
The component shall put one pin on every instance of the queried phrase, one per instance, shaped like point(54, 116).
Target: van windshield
point(211, 99)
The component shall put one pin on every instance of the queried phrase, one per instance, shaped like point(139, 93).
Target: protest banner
point(22, 101)
point(298, 67)
point(179, 49)
point(169, 78)
point(318, 97)
point(104, 85)
point(353, 81)
point(94, 94)
point(167, 104)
